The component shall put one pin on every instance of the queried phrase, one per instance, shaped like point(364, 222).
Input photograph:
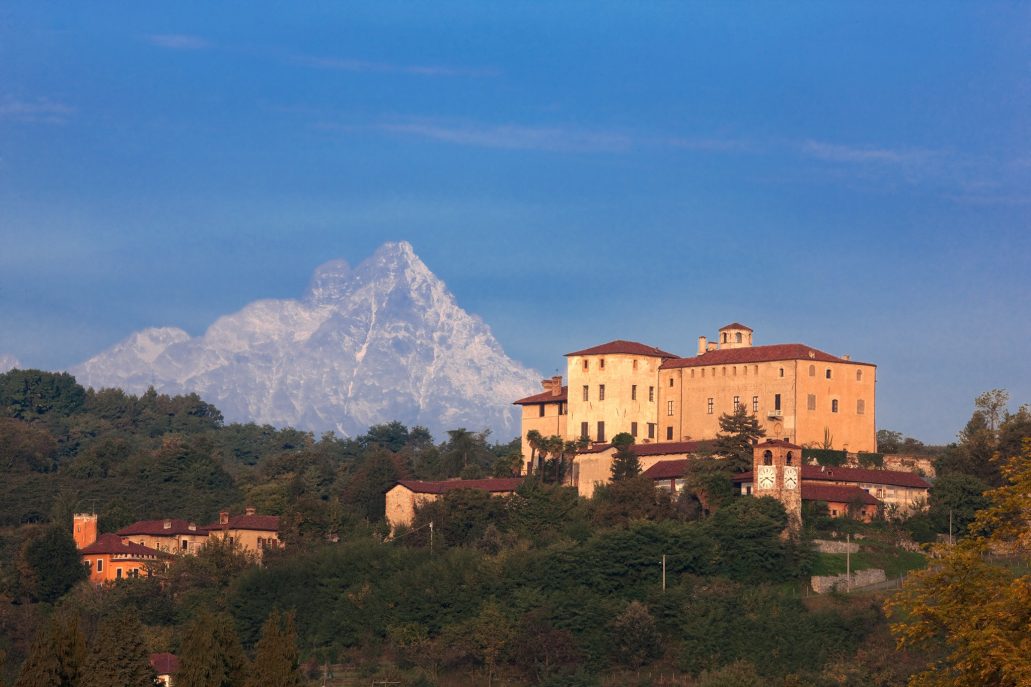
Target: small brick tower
point(777, 472)
point(84, 529)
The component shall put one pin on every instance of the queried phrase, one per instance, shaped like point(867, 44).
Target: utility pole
point(663, 572)
point(431, 537)
point(848, 561)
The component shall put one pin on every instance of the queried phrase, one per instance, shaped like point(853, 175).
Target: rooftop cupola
point(735, 336)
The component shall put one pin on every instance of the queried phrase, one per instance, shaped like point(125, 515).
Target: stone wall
point(828, 546)
point(862, 578)
point(921, 465)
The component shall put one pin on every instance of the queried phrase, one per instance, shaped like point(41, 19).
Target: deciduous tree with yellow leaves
point(972, 607)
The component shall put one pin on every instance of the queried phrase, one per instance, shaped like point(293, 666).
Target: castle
point(800, 395)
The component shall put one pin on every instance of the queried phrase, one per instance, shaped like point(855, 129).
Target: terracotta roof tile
point(544, 397)
point(829, 493)
point(668, 469)
point(498, 484)
point(113, 544)
point(164, 663)
point(265, 523)
point(626, 347)
point(157, 528)
point(736, 325)
point(756, 354)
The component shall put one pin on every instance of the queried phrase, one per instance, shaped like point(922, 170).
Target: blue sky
point(852, 176)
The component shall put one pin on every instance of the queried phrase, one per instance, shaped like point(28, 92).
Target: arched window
point(787, 460)
point(724, 337)
point(859, 375)
point(812, 370)
point(737, 337)
point(768, 458)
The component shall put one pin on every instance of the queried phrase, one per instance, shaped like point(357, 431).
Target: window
point(810, 402)
point(724, 337)
point(634, 364)
point(100, 565)
point(834, 405)
point(788, 458)
point(737, 402)
point(586, 365)
point(118, 573)
point(651, 430)
point(633, 429)
point(812, 370)
point(584, 432)
point(755, 403)
point(601, 364)
point(859, 375)
point(737, 337)
point(708, 406)
point(601, 431)
point(669, 434)
point(755, 369)
point(780, 372)
point(703, 371)
point(184, 545)
point(828, 373)
point(767, 458)
point(860, 407)
point(669, 407)
point(692, 373)
point(744, 369)
point(724, 371)
point(671, 381)
point(601, 392)
point(541, 411)
point(651, 394)
point(633, 392)
point(586, 395)
point(776, 401)
point(561, 408)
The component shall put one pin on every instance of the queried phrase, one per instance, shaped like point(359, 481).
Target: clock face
point(790, 477)
point(766, 477)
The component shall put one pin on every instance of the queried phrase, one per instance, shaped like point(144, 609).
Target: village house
point(165, 666)
point(254, 533)
point(407, 495)
point(169, 535)
point(109, 559)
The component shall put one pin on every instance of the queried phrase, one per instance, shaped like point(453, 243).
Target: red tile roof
point(164, 663)
point(657, 449)
point(815, 473)
point(157, 528)
point(736, 325)
point(544, 397)
point(495, 485)
point(779, 443)
point(667, 469)
point(835, 494)
point(265, 523)
point(756, 354)
point(626, 347)
point(112, 544)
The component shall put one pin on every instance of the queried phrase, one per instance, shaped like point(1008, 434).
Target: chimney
point(84, 529)
point(556, 385)
point(192, 527)
point(701, 345)
point(167, 524)
point(223, 517)
point(249, 510)
point(846, 357)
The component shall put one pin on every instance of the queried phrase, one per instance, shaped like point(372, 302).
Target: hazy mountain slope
point(381, 342)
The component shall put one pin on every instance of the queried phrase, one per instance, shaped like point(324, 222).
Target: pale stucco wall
point(401, 503)
point(592, 469)
point(170, 543)
point(552, 423)
point(619, 409)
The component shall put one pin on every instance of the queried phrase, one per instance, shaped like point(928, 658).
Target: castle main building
point(800, 394)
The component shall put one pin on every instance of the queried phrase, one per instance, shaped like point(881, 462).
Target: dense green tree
point(276, 659)
point(29, 394)
point(625, 464)
point(889, 441)
point(958, 495)
point(378, 472)
point(49, 564)
point(56, 657)
point(118, 654)
point(25, 446)
point(461, 517)
point(708, 482)
point(210, 654)
point(737, 674)
point(738, 432)
point(635, 636)
point(621, 502)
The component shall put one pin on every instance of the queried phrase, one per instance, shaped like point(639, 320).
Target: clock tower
point(777, 472)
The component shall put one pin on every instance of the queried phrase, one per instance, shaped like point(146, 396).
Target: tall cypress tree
point(118, 655)
point(625, 464)
point(276, 658)
point(738, 431)
point(210, 654)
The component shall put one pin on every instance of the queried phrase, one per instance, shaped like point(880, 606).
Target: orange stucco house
point(109, 559)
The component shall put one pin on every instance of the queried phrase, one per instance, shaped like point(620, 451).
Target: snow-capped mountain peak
point(384, 341)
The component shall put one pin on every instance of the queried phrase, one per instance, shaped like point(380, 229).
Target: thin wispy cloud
point(511, 136)
point(711, 145)
point(178, 41)
point(39, 111)
point(366, 66)
point(836, 152)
